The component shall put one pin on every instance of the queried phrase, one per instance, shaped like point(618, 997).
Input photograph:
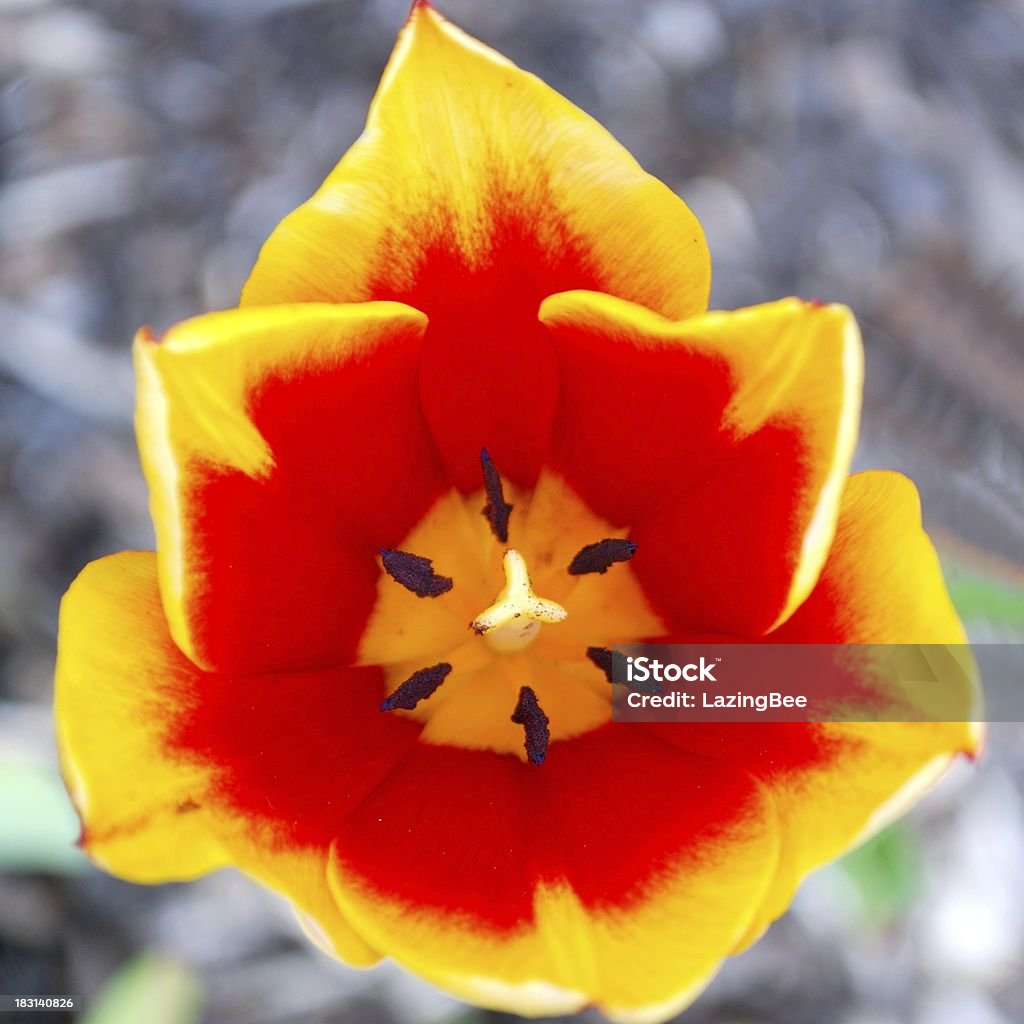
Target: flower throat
point(512, 623)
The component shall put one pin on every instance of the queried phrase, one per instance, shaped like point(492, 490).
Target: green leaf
point(38, 826)
point(152, 988)
point(980, 598)
point(886, 873)
point(986, 590)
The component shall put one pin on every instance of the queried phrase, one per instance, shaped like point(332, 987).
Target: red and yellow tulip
point(288, 684)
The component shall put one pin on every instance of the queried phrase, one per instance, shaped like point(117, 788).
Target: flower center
point(505, 683)
point(513, 621)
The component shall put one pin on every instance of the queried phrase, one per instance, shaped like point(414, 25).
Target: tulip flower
point(470, 426)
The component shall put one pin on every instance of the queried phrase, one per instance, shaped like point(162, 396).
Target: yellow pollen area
point(490, 657)
point(513, 621)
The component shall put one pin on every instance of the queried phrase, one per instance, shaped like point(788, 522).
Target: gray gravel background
point(865, 152)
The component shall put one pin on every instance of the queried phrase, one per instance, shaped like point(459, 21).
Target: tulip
point(470, 426)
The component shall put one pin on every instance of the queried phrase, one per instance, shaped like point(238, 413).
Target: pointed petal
point(475, 192)
point(836, 784)
point(616, 874)
point(153, 810)
point(280, 459)
point(101, 728)
point(721, 441)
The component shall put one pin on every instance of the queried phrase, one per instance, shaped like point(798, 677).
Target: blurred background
point(864, 152)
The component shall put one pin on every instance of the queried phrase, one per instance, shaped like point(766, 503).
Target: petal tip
point(838, 310)
point(423, 13)
point(145, 335)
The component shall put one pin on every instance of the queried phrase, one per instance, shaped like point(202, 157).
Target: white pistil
point(513, 621)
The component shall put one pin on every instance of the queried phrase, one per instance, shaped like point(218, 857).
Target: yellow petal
point(836, 784)
point(882, 584)
point(280, 457)
point(472, 173)
point(115, 692)
point(151, 812)
point(722, 441)
point(620, 877)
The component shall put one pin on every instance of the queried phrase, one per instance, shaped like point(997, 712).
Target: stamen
point(605, 659)
point(419, 686)
point(415, 573)
point(602, 657)
point(497, 510)
point(531, 717)
point(600, 556)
